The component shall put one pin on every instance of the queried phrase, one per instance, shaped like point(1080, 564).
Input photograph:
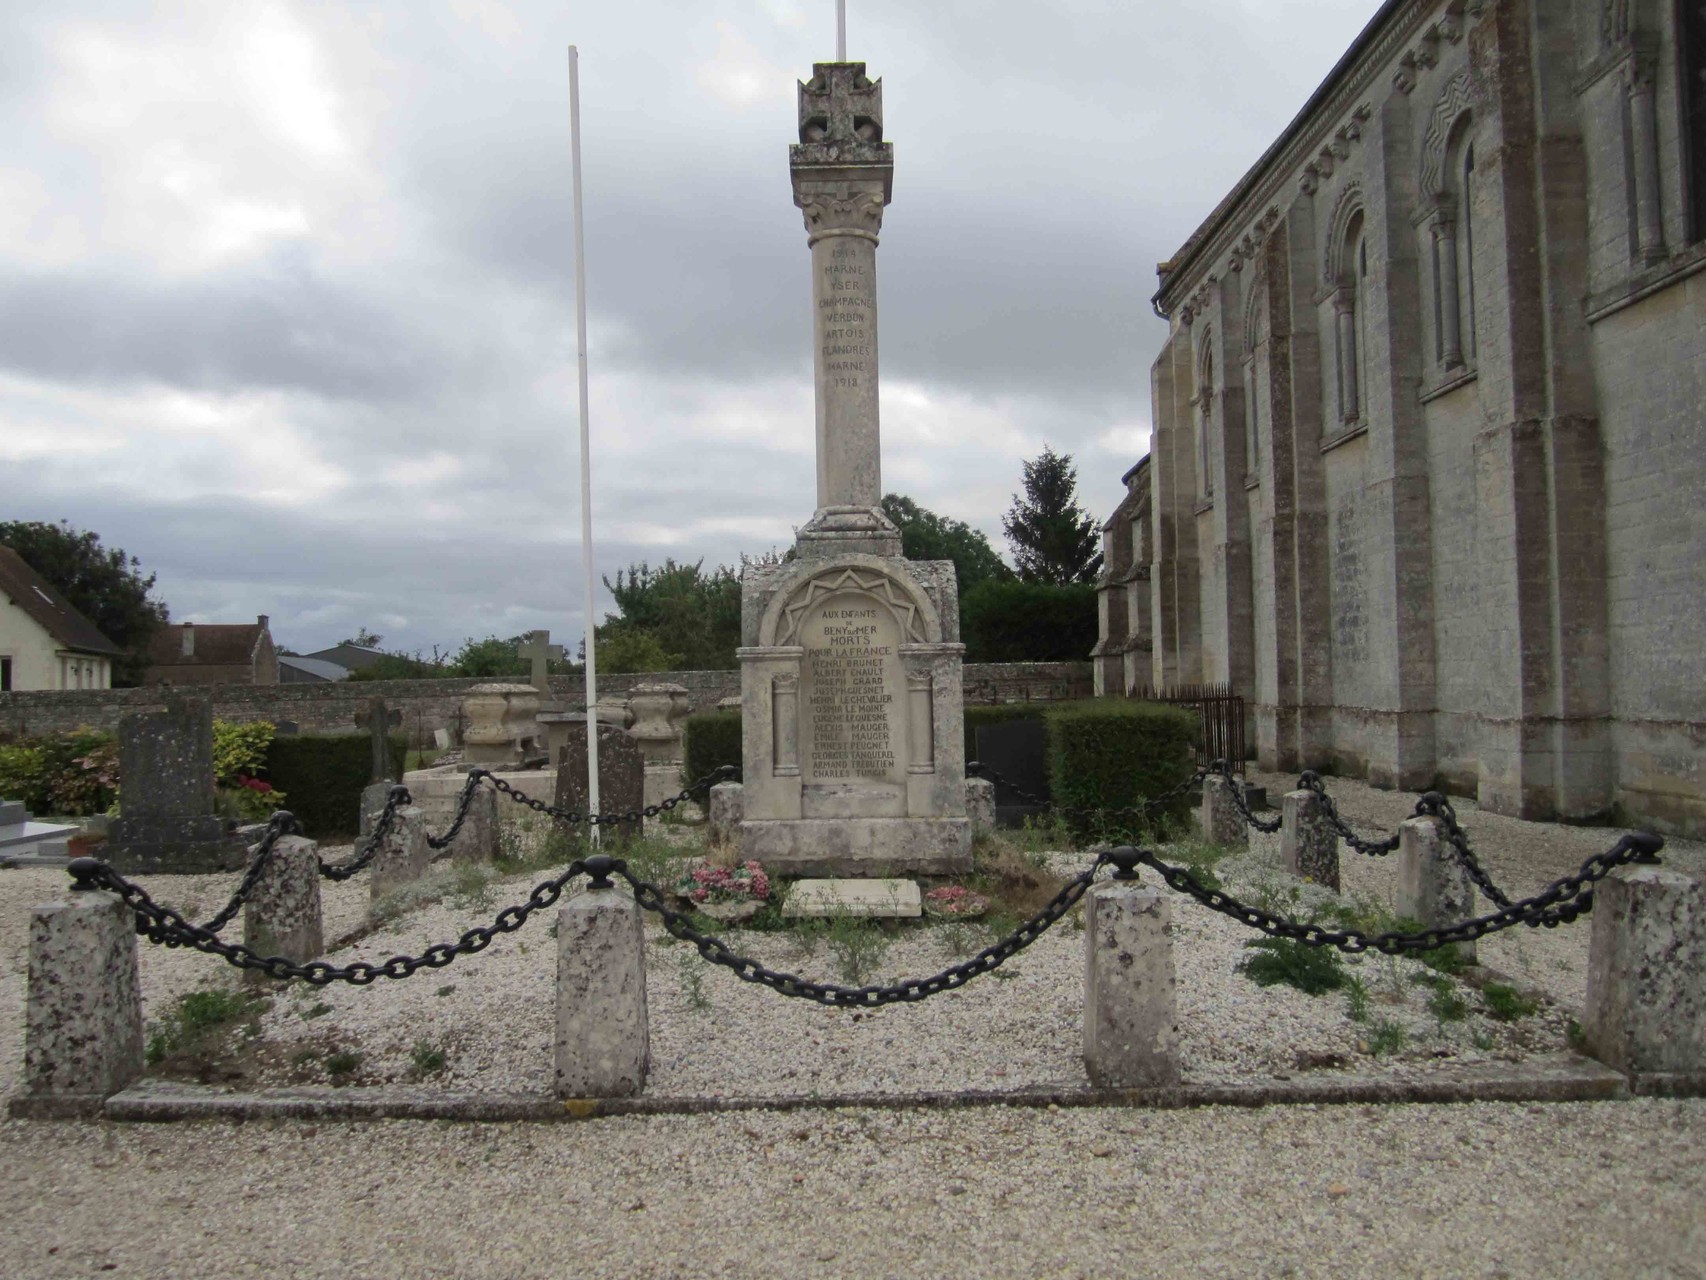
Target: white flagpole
point(586, 442)
point(841, 30)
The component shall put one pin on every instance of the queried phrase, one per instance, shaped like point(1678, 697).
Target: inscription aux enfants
point(850, 672)
point(844, 317)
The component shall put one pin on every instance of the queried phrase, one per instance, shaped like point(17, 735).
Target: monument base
point(858, 846)
point(193, 847)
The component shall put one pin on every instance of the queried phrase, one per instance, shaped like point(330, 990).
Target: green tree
point(924, 535)
point(489, 658)
point(692, 615)
point(1053, 540)
point(1028, 621)
point(622, 649)
point(104, 583)
point(363, 639)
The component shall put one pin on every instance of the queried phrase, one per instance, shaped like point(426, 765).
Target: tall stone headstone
point(851, 695)
point(167, 820)
point(621, 780)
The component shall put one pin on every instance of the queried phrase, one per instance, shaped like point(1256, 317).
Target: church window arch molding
point(1202, 404)
point(1255, 351)
point(1345, 269)
point(1447, 184)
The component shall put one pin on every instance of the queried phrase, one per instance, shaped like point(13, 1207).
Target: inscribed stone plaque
point(621, 780)
point(852, 705)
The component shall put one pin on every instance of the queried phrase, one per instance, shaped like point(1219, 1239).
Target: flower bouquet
point(954, 902)
point(729, 894)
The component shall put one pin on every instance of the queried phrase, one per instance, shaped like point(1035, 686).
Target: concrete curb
point(1560, 1078)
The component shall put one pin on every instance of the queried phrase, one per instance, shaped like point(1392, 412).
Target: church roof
point(41, 601)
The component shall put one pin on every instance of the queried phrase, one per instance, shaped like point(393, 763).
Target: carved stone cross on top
point(539, 650)
point(378, 720)
point(838, 104)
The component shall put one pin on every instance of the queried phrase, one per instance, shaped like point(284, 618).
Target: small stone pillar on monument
point(1646, 996)
point(83, 1026)
point(603, 1037)
point(1434, 888)
point(1309, 848)
point(403, 856)
point(282, 915)
point(851, 701)
point(1221, 820)
point(1131, 1029)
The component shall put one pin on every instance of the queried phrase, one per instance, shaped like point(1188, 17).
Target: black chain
point(1560, 902)
point(397, 799)
point(1309, 780)
point(462, 807)
point(1142, 810)
point(1269, 825)
point(723, 773)
point(907, 990)
point(1435, 805)
point(282, 823)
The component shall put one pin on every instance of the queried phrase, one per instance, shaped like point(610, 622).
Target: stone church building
point(1428, 476)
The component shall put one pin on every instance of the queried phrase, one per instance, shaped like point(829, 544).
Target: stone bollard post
point(1646, 998)
point(724, 811)
point(83, 1028)
point(1308, 846)
point(980, 806)
point(603, 1040)
point(282, 915)
point(1434, 888)
point(1222, 823)
point(477, 841)
point(1131, 1033)
point(403, 856)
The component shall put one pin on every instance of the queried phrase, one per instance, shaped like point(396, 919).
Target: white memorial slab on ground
point(886, 898)
point(26, 843)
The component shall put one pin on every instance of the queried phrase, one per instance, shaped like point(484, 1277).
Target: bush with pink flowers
point(708, 884)
point(955, 902)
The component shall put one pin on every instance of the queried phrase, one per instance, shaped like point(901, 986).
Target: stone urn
point(658, 711)
point(612, 708)
point(500, 725)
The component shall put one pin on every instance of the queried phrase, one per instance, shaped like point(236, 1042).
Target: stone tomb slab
point(890, 899)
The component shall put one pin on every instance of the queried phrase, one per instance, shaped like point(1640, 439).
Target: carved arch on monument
point(917, 617)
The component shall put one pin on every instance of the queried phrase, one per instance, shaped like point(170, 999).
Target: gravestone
point(378, 721)
point(167, 821)
point(1018, 751)
point(621, 781)
point(852, 739)
point(540, 652)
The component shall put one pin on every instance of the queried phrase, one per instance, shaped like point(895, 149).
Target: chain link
point(1309, 780)
point(1559, 903)
point(282, 823)
point(1269, 825)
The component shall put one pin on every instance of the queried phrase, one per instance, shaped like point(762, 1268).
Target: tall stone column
point(843, 174)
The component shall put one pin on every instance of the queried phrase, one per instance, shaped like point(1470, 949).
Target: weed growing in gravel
point(198, 1015)
point(1482, 1041)
point(1199, 857)
point(426, 1058)
point(691, 970)
point(1356, 998)
point(1446, 959)
point(1387, 1037)
point(1047, 833)
point(473, 886)
point(316, 1011)
point(1507, 1004)
point(341, 1064)
point(1312, 970)
point(858, 947)
point(1444, 1002)
point(446, 989)
point(651, 858)
point(957, 937)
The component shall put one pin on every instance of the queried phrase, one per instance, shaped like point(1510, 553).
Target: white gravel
point(492, 1015)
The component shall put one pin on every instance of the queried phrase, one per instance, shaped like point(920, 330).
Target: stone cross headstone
point(621, 779)
point(539, 651)
point(167, 820)
point(379, 720)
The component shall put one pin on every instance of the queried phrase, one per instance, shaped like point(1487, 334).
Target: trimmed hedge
point(709, 740)
point(997, 713)
point(323, 778)
point(1028, 622)
point(1112, 752)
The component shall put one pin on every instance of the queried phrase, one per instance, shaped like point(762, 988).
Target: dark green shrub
point(998, 713)
point(709, 740)
point(1028, 622)
point(1108, 753)
point(324, 778)
point(1312, 970)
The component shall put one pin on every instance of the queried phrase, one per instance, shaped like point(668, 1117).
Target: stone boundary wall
point(432, 704)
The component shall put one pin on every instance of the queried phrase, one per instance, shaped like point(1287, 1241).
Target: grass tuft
point(1506, 1003)
point(1312, 970)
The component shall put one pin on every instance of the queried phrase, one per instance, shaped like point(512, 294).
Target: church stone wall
point(1476, 560)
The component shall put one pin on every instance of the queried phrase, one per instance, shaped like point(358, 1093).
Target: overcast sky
point(287, 296)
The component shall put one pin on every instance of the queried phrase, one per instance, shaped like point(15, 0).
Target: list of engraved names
point(849, 697)
point(844, 315)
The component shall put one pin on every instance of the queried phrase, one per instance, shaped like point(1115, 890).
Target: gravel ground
point(1610, 1189)
point(492, 1015)
point(1566, 1190)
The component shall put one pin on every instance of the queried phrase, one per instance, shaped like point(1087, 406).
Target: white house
point(45, 643)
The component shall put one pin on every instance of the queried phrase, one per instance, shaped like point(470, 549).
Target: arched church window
point(1454, 255)
point(1350, 305)
point(1205, 423)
